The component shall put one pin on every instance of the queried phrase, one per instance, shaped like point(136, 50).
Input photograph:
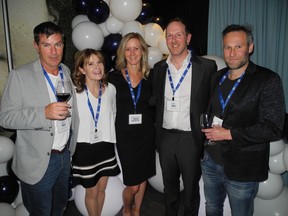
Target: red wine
point(63, 97)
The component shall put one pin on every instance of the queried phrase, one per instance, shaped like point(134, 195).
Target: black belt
point(55, 151)
point(175, 131)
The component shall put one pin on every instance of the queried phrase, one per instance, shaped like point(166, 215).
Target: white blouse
point(106, 121)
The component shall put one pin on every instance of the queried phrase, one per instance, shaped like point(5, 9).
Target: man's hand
point(57, 111)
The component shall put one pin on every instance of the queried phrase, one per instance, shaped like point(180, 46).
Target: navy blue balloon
point(9, 189)
point(98, 11)
point(111, 43)
point(9, 169)
point(108, 61)
point(80, 6)
point(146, 14)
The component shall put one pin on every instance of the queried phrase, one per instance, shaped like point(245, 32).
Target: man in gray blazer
point(45, 128)
point(181, 91)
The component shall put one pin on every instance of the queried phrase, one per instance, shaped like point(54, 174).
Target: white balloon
point(153, 31)
point(104, 29)
point(219, 61)
point(20, 210)
point(274, 207)
point(113, 199)
point(125, 10)
point(120, 175)
point(107, 1)
point(276, 147)
point(6, 209)
point(271, 188)
point(276, 164)
point(78, 19)
point(6, 149)
point(156, 181)
point(113, 25)
point(154, 55)
point(163, 45)
point(285, 157)
point(3, 169)
point(87, 35)
point(133, 26)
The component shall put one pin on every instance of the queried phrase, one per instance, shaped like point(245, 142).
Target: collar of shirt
point(184, 64)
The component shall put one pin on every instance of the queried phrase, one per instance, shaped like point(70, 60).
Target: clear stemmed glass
point(206, 122)
point(63, 90)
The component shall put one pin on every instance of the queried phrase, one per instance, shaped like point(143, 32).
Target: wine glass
point(63, 90)
point(206, 122)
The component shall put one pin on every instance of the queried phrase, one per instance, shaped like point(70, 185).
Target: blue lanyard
point(96, 118)
point(224, 103)
point(49, 80)
point(181, 79)
point(135, 100)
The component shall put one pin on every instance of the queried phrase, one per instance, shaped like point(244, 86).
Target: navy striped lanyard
point(96, 117)
point(49, 80)
point(222, 102)
point(134, 99)
point(180, 81)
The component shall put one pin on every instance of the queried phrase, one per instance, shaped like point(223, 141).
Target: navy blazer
point(202, 70)
point(255, 115)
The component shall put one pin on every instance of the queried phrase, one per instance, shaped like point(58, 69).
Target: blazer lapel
point(197, 76)
point(40, 81)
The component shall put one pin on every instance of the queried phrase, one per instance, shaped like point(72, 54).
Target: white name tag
point(217, 122)
point(135, 119)
point(95, 137)
point(63, 126)
point(173, 105)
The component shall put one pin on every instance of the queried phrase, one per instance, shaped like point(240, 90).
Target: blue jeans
point(216, 186)
point(49, 196)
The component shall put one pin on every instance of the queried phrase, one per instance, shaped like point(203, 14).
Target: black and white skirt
point(92, 161)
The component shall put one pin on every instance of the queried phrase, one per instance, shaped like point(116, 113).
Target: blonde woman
point(134, 119)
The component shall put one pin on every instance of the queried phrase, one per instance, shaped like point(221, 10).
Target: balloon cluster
point(10, 196)
point(273, 194)
point(101, 24)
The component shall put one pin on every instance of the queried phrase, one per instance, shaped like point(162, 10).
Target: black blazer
point(255, 115)
point(202, 70)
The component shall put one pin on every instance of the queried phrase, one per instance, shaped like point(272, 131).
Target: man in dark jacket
point(248, 107)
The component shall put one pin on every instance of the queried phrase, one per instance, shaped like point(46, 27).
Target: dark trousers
point(179, 157)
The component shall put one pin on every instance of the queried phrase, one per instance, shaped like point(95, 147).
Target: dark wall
point(194, 12)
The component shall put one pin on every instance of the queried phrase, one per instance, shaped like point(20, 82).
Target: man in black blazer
point(248, 104)
point(181, 91)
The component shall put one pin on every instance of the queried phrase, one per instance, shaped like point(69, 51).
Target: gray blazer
point(23, 109)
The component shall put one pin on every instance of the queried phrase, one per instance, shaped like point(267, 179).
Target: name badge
point(63, 126)
point(95, 137)
point(173, 105)
point(135, 119)
point(217, 122)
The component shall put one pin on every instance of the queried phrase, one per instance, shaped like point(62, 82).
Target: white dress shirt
point(178, 119)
